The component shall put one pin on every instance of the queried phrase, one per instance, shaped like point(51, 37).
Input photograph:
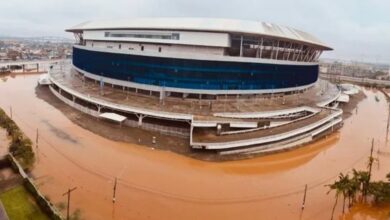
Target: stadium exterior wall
point(193, 73)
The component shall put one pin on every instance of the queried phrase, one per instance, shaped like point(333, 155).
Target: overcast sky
point(356, 29)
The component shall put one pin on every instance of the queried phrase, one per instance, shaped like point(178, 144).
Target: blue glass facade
point(194, 74)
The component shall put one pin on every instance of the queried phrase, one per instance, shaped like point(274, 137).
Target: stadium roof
point(203, 24)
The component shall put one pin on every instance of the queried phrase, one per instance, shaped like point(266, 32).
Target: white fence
point(75, 105)
point(173, 131)
point(270, 138)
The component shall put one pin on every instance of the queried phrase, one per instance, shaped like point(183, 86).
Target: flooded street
point(155, 184)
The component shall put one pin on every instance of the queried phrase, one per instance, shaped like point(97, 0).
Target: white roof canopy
point(203, 24)
point(113, 117)
point(343, 98)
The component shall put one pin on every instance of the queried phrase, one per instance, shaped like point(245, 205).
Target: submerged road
point(358, 80)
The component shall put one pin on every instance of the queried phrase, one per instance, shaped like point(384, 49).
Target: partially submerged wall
point(46, 206)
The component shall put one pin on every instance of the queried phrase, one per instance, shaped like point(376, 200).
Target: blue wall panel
point(194, 74)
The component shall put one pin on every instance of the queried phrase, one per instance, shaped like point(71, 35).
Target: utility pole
point(304, 198)
point(10, 111)
point(370, 160)
point(113, 196)
point(68, 193)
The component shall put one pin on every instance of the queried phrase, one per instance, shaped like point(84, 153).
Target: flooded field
point(155, 184)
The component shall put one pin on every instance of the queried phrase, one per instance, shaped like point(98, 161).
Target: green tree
point(337, 187)
point(380, 191)
point(351, 188)
point(361, 179)
point(343, 184)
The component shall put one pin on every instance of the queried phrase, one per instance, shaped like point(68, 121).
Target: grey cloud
point(356, 29)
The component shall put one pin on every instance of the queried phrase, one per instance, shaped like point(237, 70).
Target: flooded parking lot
point(154, 184)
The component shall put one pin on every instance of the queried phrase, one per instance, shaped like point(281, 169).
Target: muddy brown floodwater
point(155, 184)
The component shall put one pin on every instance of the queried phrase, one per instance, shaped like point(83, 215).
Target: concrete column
point(241, 42)
point(140, 117)
point(99, 108)
point(162, 95)
point(73, 98)
point(219, 129)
